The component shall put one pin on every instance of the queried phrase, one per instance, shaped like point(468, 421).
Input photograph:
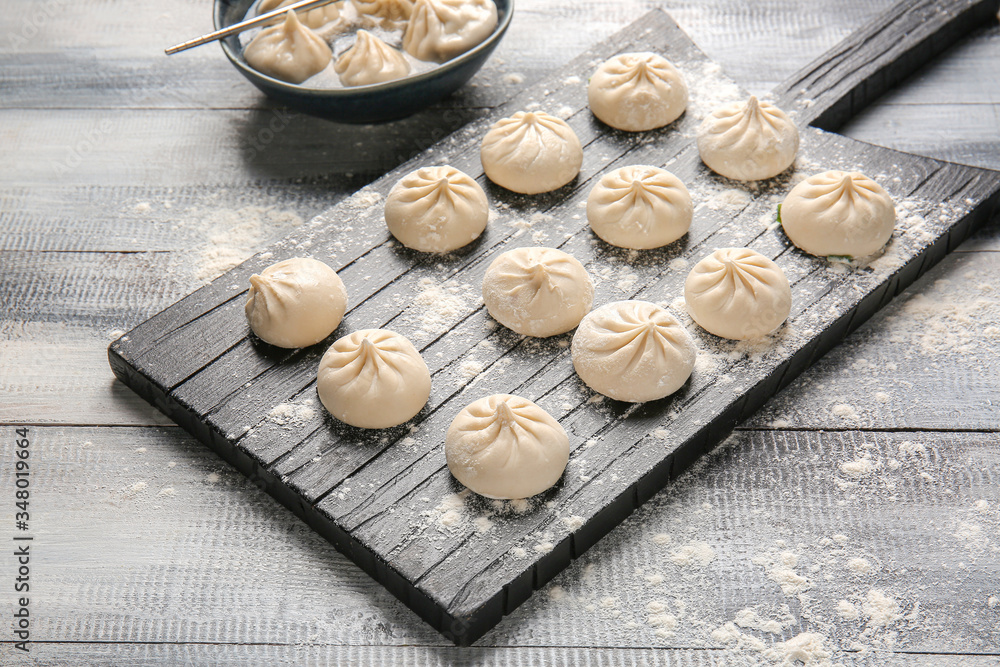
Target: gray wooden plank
point(307, 655)
point(921, 508)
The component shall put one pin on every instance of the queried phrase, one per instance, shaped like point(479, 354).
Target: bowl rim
point(352, 91)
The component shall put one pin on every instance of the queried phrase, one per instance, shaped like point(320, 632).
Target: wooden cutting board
point(385, 498)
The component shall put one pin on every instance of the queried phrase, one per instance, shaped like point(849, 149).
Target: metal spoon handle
point(246, 25)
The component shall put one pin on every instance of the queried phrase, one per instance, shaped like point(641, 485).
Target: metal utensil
point(302, 6)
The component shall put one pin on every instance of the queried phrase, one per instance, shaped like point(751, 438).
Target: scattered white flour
point(514, 78)
point(845, 411)
point(212, 478)
point(291, 415)
point(879, 609)
point(808, 648)
point(233, 235)
point(167, 491)
point(780, 569)
point(749, 618)
point(698, 554)
point(858, 467)
point(859, 566)
point(450, 512)
point(731, 200)
point(544, 547)
point(564, 112)
point(847, 611)
point(438, 306)
point(573, 522)
point(661, 539)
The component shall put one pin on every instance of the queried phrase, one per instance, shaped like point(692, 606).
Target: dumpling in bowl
point(439, 30)
point(314, 18)
point(392, 11)
point(369, 61)
point(288, 51)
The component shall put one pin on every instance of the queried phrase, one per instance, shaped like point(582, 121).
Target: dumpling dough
point(314, 18)
point(295, 303)
point(839, 213)
point(506, 447)
point(633, 351)
point(436, 209)
point(637, 92)
point(369, 61)
point(439, 30)
point(748, 141)
point(639, 207)
point(738, 293)
point(537, 291)
point(531, 152)
point(373, 378)
point(288, 51)
point(394, 11)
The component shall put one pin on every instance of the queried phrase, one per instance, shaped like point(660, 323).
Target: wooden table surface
point(857, 516)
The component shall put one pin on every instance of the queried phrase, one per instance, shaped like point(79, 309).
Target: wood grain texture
point(155, 506)
point(196, 364)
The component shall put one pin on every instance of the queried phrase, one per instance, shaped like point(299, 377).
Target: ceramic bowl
point(363, 104)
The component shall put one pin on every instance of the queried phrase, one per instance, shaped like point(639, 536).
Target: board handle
point(833, 88)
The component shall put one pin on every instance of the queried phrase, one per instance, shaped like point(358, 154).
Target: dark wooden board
point(385, 498)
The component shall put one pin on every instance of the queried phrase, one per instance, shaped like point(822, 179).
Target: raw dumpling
point(295, 303)
point(370, 60)
point(633, 351)
point(748, 142)
point(637, 91)
point(288, 51)
point(639, 207)
point(314, 18)
point(838, 213)
point(373, 378)
point(439, 30)
point(506, 447)
point(531, 152)
point(395, 11)
point(436, 209)
point(738, 293)
point(537, 291)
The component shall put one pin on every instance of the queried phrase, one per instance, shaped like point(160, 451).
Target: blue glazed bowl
point(364, 104)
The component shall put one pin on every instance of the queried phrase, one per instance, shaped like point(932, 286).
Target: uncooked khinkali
point(639, 207)
point(288, 51)
point(637, 92)
point(436, 209)
point(395, 11)
point(738, 293)
point(506, 447)
point(537, 291)
point(748, 141)
point(531, 152)
point(314, 18)
point(373, 378)
point(633, 351)
point(370, 60)
point(838, 213)
point(295, 303)
point(439, 30)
